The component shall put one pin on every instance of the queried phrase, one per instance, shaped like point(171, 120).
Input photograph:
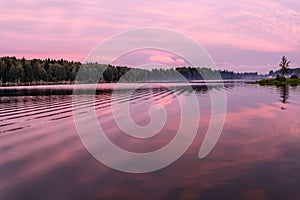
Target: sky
point(244, 35)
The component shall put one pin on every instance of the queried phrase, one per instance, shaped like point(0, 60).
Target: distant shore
point(10, 84)
point(42, 83)
point(277, 82)
point(20, 72)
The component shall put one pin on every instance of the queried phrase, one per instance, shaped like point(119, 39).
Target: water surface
point(256, 157)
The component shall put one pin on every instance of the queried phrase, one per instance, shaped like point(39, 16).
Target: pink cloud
point(166, 60)
point(71, 29)
point(150, 58)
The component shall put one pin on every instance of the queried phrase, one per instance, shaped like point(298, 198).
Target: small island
point(281, 80)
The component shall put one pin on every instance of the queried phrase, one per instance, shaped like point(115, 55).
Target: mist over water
point(42, 157)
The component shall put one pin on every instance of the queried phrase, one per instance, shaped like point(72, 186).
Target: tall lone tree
point(284, 65)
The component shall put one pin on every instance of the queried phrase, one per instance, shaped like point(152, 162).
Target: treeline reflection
point(201, 89)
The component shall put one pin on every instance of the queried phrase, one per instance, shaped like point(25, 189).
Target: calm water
point(256, 157)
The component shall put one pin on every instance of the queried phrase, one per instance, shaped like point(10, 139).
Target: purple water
point(256, 157)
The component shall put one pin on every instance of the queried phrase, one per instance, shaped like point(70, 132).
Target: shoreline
point(276, 82)
point(7, 85)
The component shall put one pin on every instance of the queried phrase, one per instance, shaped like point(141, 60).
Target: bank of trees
point(91, 73)
point(13, 70)
point(37, 71)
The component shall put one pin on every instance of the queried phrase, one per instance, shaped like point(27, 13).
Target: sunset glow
point(241, 36)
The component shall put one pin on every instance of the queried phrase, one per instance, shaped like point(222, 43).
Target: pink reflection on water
point(256, 156)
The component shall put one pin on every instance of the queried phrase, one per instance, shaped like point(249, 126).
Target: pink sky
point(245, 35)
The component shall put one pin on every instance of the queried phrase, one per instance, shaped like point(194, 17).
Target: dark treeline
point(290, 72)
point(37, 71)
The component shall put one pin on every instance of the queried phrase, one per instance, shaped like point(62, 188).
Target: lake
point(256, 156)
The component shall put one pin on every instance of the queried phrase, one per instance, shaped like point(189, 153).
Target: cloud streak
point(70, 29)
